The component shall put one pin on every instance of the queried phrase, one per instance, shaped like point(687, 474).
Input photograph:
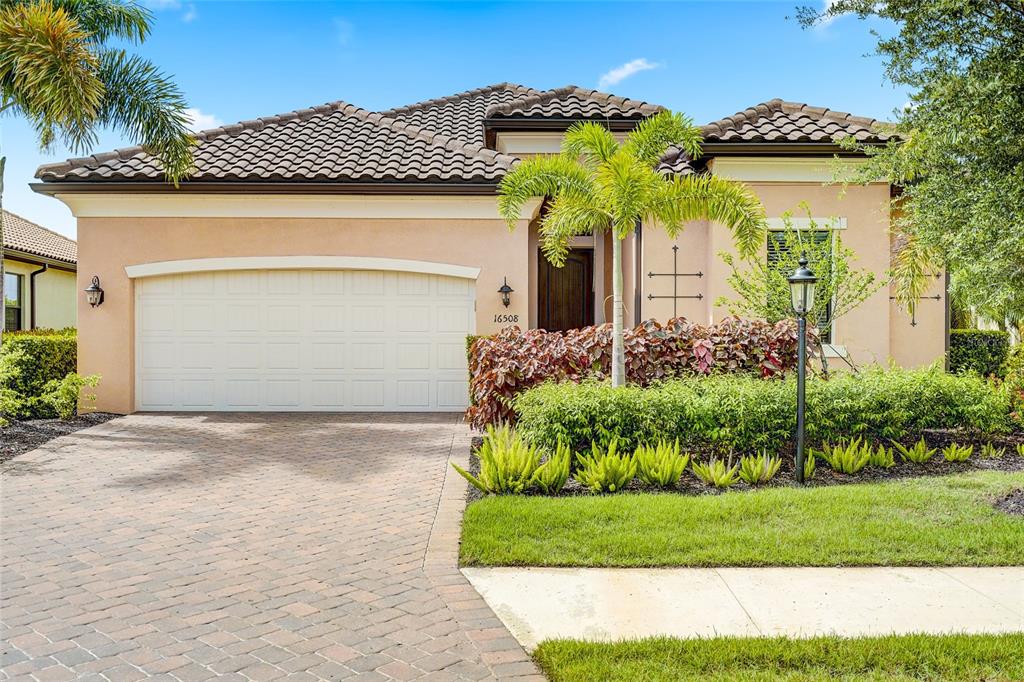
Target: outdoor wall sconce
point(94, 292)
point(506, 293)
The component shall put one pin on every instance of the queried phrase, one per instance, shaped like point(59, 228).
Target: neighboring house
point(335, 259)
point(39, 276)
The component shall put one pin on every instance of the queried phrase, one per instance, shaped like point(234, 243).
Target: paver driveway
point(250, 546)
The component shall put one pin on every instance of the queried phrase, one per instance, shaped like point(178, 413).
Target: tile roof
point(27, 237)
point(779, 121)
point(335, 142)
point(460, 115)
point(573, 102)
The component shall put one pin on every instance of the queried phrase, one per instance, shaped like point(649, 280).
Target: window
point(782, 243)
point(13, 301)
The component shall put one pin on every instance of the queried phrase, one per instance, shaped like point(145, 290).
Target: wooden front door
point(566, 294)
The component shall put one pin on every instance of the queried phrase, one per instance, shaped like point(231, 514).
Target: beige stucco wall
point(876, 332)
point(107, 245)
point(56, 294)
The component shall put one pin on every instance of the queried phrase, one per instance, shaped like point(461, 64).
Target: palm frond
point(710, 197)
point(105, 19)
point(568, 215)
point(653, 136)
point(912, 265)
point(629, 187)
point(146, 105)
point(539, 177)
point(590, 142)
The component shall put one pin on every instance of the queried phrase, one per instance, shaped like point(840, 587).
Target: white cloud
point(201, 121)
point(825, 21)
point(190, 14)
point(343, 30)
point(621, 73)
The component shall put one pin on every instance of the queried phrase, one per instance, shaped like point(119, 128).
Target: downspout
point(32, 294)
point(638, 243)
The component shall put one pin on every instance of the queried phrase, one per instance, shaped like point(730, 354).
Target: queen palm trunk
point(618, 349)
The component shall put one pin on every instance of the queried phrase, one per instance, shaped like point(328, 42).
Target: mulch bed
point(824, 475)
point(1012, 503)
point(21, 436)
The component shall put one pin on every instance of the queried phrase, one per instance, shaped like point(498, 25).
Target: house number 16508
point(506, 317)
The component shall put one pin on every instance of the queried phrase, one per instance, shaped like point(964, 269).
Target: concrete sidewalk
point(608, 604)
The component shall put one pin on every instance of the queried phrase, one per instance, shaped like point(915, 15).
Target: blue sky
point(241, 60)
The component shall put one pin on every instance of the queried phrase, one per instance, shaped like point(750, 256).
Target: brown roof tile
point(573, 102)
point(779, 121)
point(334, 142)
point(27, 237)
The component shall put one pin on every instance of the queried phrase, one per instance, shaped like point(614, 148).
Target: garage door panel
point(303, 340)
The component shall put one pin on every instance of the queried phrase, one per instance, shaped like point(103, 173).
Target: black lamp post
point(801, 288)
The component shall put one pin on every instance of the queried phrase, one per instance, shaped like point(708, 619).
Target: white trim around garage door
point(174, 267)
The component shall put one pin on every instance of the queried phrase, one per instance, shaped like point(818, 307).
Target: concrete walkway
point(608, 604)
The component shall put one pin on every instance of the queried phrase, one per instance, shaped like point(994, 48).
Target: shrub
point(507, 463)
point(978, 350)
point(957, 453)
point(662, 464)
point(551, 476)
point(918, 453)
point(810, 466)
point(990, 451)
point(759, 469)
point(746, 414)
point(31, 360)
point(605, 470)
point(510, 362)
point(1014, 383)
point(64, 395)
point(717, 472)
point(882, 457)
point(848, 458)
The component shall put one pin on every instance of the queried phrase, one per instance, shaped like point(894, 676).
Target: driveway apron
point(245, 546)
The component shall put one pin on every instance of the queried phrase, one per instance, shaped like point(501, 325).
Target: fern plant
point(662, 464)
point(882, 457)
point(810, 466)
point(759, 469)
point(507, 463)
point(990, 451)
point(848, 458)
point(1020, 449)
point(717, 472)
point(604, 469)
point(918, 453)
point(957, 453)
point(551, 476)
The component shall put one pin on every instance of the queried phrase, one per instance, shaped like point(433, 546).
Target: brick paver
point(250, 547)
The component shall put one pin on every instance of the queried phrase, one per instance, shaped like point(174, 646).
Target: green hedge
point(745, 414)
point(978, 350)
point(31, 359)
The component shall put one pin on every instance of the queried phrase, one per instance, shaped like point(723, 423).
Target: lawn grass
point(949, 658)
point(928, 521)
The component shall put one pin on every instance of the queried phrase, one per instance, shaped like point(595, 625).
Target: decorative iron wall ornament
point(675, 275)
point(913, 316)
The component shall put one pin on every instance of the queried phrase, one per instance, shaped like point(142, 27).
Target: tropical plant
point(1020, 449)
point(882, 457)
point(507, 463)
point(64, 396)
point(846, 458)
point(759, 469)
point(598, 184)
point(918, 453)
point(604, 469)
point(661, 465)
point(990, 451)
point(810, 466)
point(551, 476)
point(955, 452)
point(717, 472)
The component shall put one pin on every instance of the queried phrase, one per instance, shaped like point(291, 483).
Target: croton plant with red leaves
point(511, 361)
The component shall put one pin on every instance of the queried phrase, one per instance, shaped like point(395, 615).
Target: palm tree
point(597, 184)
point(57, 71)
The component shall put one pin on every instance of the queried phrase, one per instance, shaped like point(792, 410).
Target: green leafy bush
point(1014, 384)
point(746, 414)
point(759, 469)
point(605, 470)
point(65, 395)
point(32, 359)
point(846, 458)
point(551, 476)
point(918, 453)
point(882, 457)
point(507, 463)
point(717, 472)
point(990, 451)
point(978, 350)
point(662, 464)
point(957, 453)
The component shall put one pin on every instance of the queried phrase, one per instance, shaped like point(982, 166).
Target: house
point(334, 258)
point(39, 276)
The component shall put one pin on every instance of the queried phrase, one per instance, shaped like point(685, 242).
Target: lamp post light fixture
point(506, 293)
point(94, 292)
point(801, 289)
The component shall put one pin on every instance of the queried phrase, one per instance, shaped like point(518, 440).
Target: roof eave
point(780, 149)
point(22, 256)
point(153, 187)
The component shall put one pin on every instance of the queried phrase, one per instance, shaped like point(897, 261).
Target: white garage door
point(280, 340)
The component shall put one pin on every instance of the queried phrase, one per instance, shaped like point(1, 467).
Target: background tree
point(960, 152)
point(762, 287)
point(597, 184)
point(58, 71)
